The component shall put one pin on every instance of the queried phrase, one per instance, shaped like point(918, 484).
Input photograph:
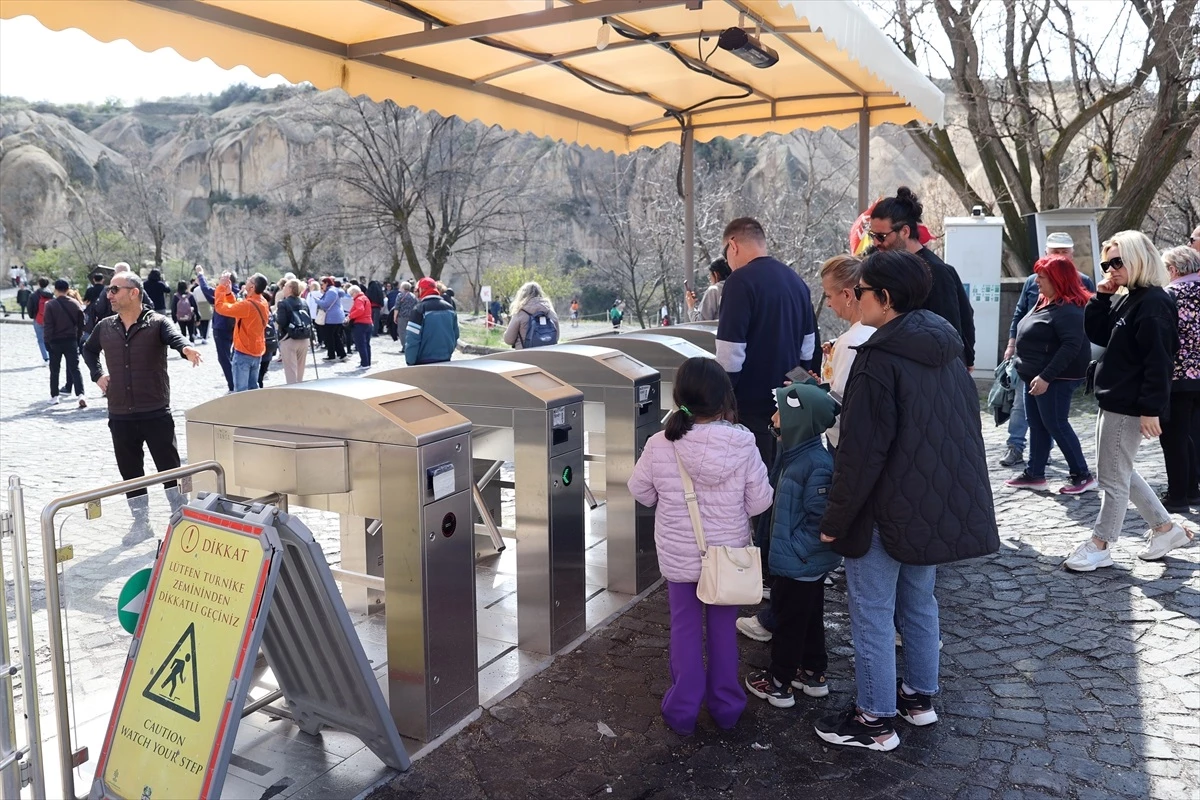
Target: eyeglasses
point(1112, 263)
point(880, 238)
point(858, 291)
point(117, 289)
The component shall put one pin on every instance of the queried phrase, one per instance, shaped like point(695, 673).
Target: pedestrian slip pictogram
point(176, 684)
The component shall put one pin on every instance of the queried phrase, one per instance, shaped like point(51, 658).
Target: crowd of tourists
point(863, 454)
point(866, 454)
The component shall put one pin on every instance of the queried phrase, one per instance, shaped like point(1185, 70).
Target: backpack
point(271, 333)
point(183, 308)
point(540, 331)
point(300, 323)
point(615, 314)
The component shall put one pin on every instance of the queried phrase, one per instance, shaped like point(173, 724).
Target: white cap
point(1059, 239)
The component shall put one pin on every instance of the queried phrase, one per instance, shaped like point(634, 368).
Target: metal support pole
point(864, 160)
point(689, 203)
point(24, 608)
point(10, 767)
point(58, 671)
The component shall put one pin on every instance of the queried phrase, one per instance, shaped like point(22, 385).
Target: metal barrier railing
point(58, 672)
point(15, 773)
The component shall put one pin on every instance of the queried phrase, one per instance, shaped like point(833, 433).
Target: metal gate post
point(10, 755)
point(24, 608)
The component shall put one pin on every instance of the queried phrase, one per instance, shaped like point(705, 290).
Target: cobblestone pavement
point(1054, 685)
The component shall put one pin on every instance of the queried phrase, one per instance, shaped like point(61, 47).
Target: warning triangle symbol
point(174, 684)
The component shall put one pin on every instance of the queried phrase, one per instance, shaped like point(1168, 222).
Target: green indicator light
point(566, 476)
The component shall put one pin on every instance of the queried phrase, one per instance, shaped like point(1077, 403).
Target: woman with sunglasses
point(910, 491)
point(1134, 319)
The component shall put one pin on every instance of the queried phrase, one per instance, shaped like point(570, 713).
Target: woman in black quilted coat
point(910, 491)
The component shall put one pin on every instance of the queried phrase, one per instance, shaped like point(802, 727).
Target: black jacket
point(910, 456)
point(948, 299)
point(1133, 377)
point(136, 361)
point(1051, 344)
point(62, 319)
point(158, 291)
point(35, 301)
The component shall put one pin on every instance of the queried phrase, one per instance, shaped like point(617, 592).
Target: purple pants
point(719, 688)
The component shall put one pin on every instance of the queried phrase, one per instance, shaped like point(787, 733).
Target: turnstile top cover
point(487, 383)
point(356, 409)
point(701, 334)
point(663, 353)
point(584, 364)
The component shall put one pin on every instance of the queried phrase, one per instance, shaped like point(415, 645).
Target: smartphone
point(799, 375)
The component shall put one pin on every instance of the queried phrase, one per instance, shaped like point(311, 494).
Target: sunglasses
point(117, 289)
point(725, 249)
point(1112, 263)
point(858, 291)
point(880, 238)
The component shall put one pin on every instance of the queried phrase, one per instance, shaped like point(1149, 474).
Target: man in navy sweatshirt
point(767, 328)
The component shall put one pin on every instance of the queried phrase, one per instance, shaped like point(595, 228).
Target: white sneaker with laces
point(53, 401)
point(751, 628)
point(1088, 558)
point(1158, 544)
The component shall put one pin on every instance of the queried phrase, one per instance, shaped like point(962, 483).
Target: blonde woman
point(532, 321)
point(294, 319)
point(1132, 316)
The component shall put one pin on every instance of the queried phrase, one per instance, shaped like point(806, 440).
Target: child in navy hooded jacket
point(799, 560)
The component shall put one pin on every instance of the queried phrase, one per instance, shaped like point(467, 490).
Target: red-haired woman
point(1052, 359)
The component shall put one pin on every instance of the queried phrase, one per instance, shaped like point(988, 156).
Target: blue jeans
point(362, 332)
point(881, 589)
point(1049, 423)
point(40, 332)
point(245, 371)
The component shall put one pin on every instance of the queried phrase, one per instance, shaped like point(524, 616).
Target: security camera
point(977, 211)
point(748, 48)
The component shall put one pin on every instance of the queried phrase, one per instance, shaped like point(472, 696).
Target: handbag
point(729, 576)
point(320, 319)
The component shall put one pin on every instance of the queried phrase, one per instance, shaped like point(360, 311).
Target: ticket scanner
point(701, 334)
point(662, 352)
point(523, 414)
point(620, 412)
point(387, 458)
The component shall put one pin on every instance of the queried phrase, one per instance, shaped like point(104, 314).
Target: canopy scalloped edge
point(149, 29)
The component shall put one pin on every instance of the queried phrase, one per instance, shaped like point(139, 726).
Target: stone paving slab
point(1054, 685)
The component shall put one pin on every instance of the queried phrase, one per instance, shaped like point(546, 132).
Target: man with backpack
point(615, 314)
point(295, 323)
point(91, 299)
point(432, 331)
point(251, 317)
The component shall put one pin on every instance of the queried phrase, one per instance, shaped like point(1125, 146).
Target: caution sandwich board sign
point(179, 702)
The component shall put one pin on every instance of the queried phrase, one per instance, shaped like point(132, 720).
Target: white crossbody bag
point(729, 576)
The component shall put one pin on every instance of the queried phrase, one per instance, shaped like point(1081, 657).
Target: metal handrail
point(58, 672)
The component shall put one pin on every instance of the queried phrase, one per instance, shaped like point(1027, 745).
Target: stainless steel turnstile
point(396, 465)
point(701, 334)
point(621, 411)
point(662, 352)
point(523, 414)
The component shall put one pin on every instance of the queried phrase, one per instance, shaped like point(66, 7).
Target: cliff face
point(50, 168)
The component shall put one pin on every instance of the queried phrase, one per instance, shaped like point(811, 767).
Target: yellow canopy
point(534, 65)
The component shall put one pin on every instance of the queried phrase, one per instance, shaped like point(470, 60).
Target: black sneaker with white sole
point(763, 686)
point(915, 709)
point(851, 729)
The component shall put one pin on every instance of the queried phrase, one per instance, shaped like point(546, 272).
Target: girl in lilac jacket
point(731, 486)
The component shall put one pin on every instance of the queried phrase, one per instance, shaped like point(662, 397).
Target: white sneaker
point(82, 402)
point(53, 401)
point(751, 628)
point(1159, 544)
point(1088, 558)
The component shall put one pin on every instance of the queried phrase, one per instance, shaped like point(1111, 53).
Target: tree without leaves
point(432, 186)
point(1033, 130)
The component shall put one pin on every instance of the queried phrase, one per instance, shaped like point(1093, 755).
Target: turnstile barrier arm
point(58, 672)
point(488, 522)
